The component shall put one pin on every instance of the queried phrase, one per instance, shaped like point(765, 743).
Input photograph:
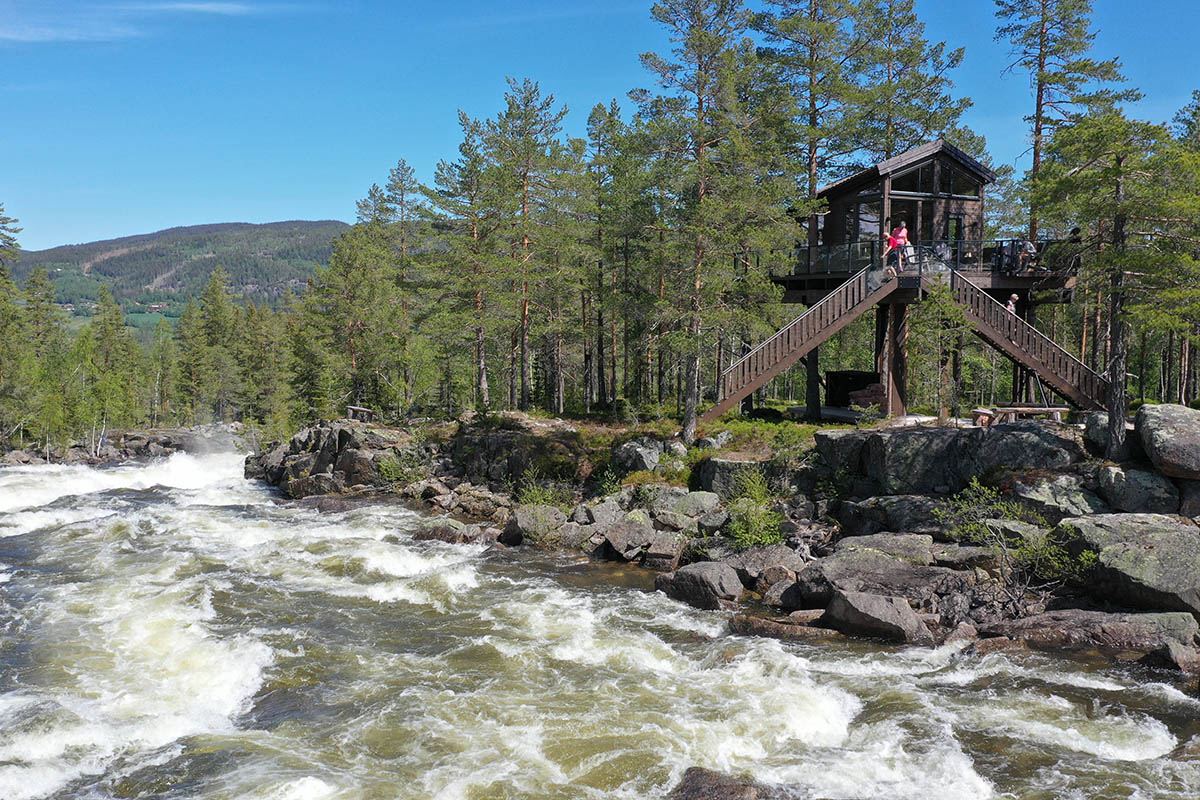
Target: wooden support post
point(898, 357)
point(882, 315)
point(1031, 318)
point(956, 387)
point(812, 393)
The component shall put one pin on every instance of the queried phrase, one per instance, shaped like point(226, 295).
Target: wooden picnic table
point(1002, 414)
point(360, 413)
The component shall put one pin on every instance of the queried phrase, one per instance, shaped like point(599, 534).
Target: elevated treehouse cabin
point(939, 191)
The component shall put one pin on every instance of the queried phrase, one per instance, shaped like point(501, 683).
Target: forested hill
point(169, 266)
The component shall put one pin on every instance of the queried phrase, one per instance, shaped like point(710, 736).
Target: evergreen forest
point(618, 272)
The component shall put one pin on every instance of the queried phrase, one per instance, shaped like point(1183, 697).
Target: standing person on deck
point(897, 243)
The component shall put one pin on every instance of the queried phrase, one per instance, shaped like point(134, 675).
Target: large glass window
point(918, 180)
point(868, 220)
point(964, 184)
point(955, 181)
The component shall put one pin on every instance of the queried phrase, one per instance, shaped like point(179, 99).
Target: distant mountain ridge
point(167, 267)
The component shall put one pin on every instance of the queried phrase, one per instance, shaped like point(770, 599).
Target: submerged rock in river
point(704, 584)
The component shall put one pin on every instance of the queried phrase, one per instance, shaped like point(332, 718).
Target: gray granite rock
point(1170, 435)
point(703, 585)
point(1146, 561)
point(881, 617)
point(914, 548)
point(1138, 491)
point(1058, 497)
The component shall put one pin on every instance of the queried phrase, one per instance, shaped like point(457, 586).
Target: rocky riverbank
point(116, 446)
point(859, 546)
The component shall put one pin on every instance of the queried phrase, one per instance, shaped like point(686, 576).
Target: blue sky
point(123, 117)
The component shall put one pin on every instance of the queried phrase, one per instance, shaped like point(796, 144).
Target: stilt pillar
point(812, 386)
point(897, 385)
point(882, 350)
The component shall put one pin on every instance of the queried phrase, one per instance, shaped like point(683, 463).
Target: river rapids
point(170, 630)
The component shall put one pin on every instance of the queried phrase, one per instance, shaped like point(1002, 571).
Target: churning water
point(172, 631)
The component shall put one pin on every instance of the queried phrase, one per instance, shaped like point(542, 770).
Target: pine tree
point(467, 204)
point(714, 109)
point(1125, 174)
point(524, 141)
point(1050, 41)
point(909, 78)
point(819, 48)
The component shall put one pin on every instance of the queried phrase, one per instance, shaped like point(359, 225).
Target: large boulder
point(1147, 561)
point(320, 483)
point(753, 562)
point(716, 441)
point(1076, 629)
point(914, 460)
point(784, 628)
point(889, 618)
point(696, 504)
point(637, 455)
point(904, 513)
point(705, 584)
point(1170, 435)
point(935, 590)
point(534, 524)
point(1058, 497)
point(719, 475)
point(1095, 436)
point(357, 467)
point(914, 548)
point(1189, 498)
point(1022, 445)
point(841, 450)
point(704, 784)
point(1138, 490)
point(920, 460)
point(633, 538)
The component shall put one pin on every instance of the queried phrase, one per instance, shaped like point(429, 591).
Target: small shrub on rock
point(403, 469)
point(644, 495)
point(608, 482)
point(532, 490)
point(752, 522)
point(1030, 558)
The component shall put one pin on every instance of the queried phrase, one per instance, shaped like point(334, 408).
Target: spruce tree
point(9, 247)
point(219, 320)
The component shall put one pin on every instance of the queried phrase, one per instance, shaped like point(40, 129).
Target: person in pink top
point(896, 244)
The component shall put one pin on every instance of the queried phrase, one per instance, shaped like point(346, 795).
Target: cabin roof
point(924, 152)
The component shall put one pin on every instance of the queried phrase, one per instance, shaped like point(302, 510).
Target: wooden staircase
point(796, 339)
point(1028, 346)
